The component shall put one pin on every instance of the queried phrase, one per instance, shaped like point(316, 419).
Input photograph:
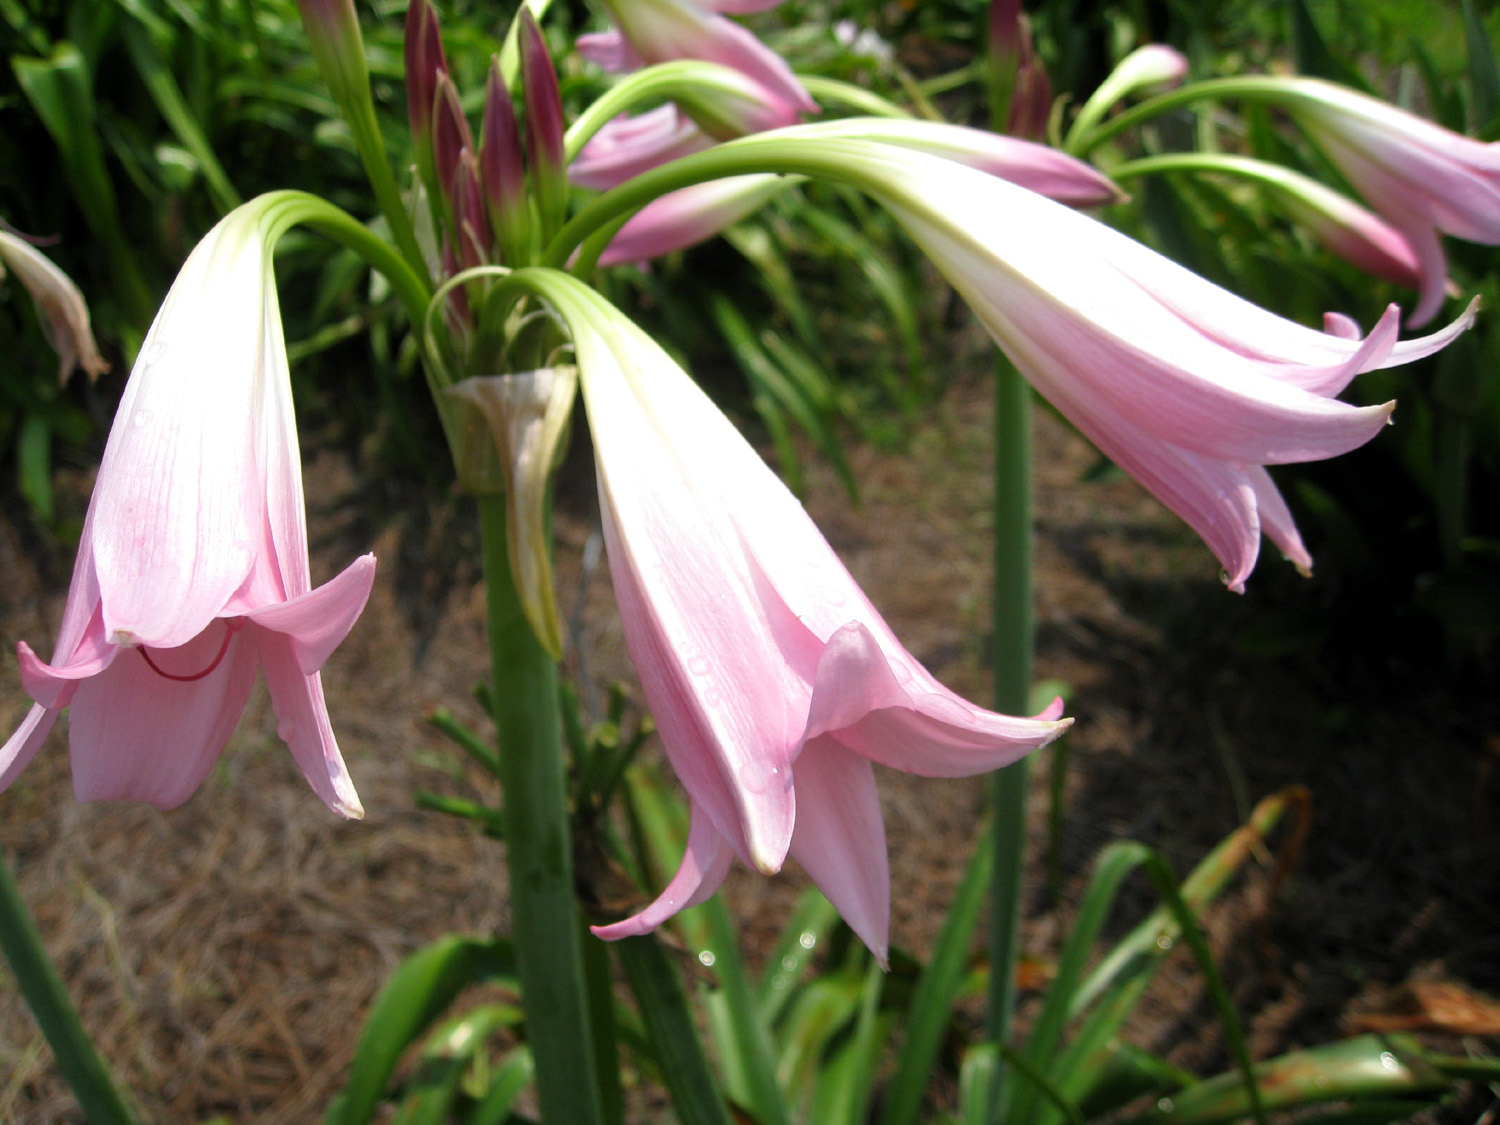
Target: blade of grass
point(937, 989)
point(670, 1030)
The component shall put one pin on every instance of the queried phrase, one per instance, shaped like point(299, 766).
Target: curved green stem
point(48, 999)
point(291, 208)
point(1251, 86)
point(692, 83)
point(788, 151)
point(539, 849)
point(824, 89)
point(1011, 644)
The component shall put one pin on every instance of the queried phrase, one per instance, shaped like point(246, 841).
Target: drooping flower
point(64, 315)
point(774, 682)
point(1422, 178)
point(192, 569)
point(657, 31)
point(690, 215)
point(1189, 388)
point(630, 145)
point(1351, 231)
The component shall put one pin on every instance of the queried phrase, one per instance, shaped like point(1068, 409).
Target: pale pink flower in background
point(1355, 234)
point(1189, 388)
point(774, 682)
point(60, 305)
point(1422, 178)
point(1036, 167)
point(691, 215)
point(657, 31)
point(192, 569)
point(629, 145)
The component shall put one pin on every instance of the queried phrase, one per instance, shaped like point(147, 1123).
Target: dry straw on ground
point(224, 953)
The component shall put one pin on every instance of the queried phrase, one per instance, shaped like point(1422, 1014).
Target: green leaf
point(671, 1031)
point(418, 992)
point(510, 1078)
point(846, 1082)
point(1111, 867)
point(1484, 76)
point(429, 1096)
point(937, 989)
point(1368, 1066)
point(34, 466)
point(167, 94)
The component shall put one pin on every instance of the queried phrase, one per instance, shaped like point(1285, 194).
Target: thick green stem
point(539, 848)
point(48, 999)
point(1011, 648)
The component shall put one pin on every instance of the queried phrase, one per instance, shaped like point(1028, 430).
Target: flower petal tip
point(630, 927)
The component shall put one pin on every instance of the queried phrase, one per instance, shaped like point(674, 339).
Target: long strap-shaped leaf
point(670, 1030)
point(418, 992)
point(937, 989)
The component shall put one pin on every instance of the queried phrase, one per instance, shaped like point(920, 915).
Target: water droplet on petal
point(142, 419)
point(155, 353)
point(759, 777)
point(706, 958)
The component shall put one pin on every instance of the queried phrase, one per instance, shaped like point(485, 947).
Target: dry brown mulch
point(224, 953)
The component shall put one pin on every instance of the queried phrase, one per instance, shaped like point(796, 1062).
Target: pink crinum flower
point(1422, 178)
point(1187, 387)
point(774, 682)
point(192, 570)
point(692, 214)
point(656, 31)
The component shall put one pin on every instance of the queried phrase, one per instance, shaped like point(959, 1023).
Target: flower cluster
point(775, 683)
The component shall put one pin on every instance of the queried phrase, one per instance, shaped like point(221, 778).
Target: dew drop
point(1165, 1105)
point(759, 777)
point(1164, 942)
point(706, 958)
point(1388, 1061)
point(807, 939)
point(789, 963)
point(142, 419)
point(700, 666)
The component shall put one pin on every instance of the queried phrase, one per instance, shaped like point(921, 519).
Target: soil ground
point(224, 953)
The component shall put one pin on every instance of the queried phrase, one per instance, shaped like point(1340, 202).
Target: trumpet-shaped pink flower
point(193, 569)
point(689, 215)
point(629, 145)
point(657, 31)
point(1421, 177)
point(773, 680)
point(1189, 388)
